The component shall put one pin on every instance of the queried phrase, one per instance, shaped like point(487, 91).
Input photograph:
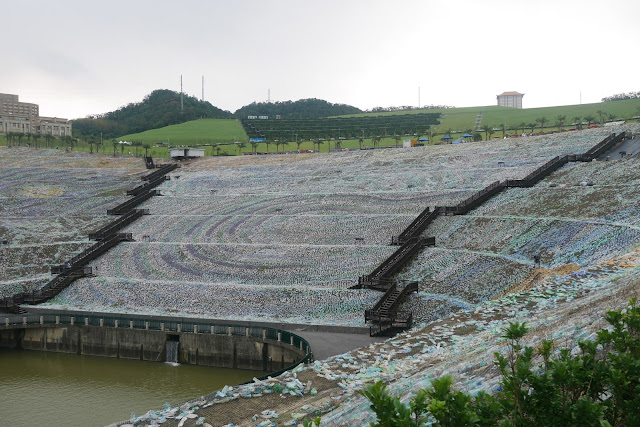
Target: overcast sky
point(76, 58)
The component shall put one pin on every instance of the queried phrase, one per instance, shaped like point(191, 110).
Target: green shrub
point(598, 386)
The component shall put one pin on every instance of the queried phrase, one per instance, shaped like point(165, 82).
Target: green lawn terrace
point(339, 128)
point(282, 238)
point(202, 131)
point(460, 119)
point(49, 201)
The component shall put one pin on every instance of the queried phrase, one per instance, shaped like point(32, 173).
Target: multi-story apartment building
point(24, 117)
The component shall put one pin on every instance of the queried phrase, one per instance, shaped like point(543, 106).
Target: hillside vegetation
point(301, 109)
point(153, 120)
point(197, 132)
point(159, 109)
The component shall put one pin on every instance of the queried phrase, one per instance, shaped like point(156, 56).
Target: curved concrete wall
point(223, 351)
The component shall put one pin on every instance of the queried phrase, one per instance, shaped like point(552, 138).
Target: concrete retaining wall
point(276, 325)
point(223, 351)
point(237, 352)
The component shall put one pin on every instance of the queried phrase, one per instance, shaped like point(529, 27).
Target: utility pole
point(181, 100)
point(202, 88)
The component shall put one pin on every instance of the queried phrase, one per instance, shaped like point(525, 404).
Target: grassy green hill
point(224, 132)
point(196, 132)
point(159, 109)
point(460, 119)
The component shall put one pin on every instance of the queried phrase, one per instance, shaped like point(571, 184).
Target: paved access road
point(326, 344)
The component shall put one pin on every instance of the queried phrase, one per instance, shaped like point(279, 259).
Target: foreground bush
point(597, 386)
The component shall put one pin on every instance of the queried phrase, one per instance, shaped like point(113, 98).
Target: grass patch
point(196, 132)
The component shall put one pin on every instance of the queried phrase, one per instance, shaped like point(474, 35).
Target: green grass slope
point(495, 115)
point(460, 119)
point(160, 108)
point(196, 132)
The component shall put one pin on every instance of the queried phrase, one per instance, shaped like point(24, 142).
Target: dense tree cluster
point(302, 109)
point(621, 96)
point(158, 109)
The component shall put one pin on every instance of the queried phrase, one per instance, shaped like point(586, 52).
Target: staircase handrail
point(397, 259)
point(417, 225)
point(117, 224)
point(127, 206)
point(385, 296)
point(148, 185)
point(470, 202)
point(91, 253)
point(163, 170)
point(604, 145)
point(398, 252)
point(600, 144)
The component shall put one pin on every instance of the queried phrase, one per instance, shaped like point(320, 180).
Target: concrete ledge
point(248, 323)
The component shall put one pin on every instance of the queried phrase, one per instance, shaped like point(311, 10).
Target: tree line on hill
point(407, 108)
point(302, 109)
point(315, 109)
point(559, 122)
point(622, 96)
point(15, 139)
point(158, 109)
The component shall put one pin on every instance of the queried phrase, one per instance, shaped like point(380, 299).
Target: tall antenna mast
point(202, 88)
point(268, 95)
point(181, 100)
